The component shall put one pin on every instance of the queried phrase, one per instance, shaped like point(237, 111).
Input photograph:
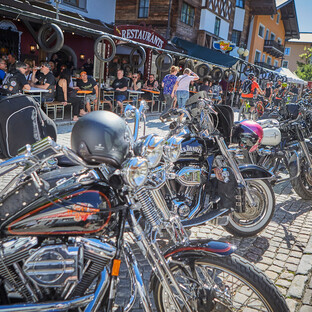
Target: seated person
point(135, 83)
point(88, 84)
point(120, 85)
point(150, 84)
point(206, 86)
point(15, 82)
point(45, 80)
point(66, 95)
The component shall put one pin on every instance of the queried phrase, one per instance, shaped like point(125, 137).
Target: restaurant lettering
point(141, 34)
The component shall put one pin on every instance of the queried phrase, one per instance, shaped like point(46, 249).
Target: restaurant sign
point(223, 46)
point(140, 34)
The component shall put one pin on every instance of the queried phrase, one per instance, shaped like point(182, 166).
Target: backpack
point(10, 84)
point(246, 86)
point(22, 122)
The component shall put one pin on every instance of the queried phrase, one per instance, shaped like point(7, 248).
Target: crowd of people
point(56, 77)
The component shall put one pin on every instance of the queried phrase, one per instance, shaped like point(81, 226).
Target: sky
point(304, 10)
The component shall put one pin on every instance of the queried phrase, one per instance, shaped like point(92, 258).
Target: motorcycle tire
point(221, 273)
point(303, 184)
point(254, 219)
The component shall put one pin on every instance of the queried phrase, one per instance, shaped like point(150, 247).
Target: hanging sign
point(141, 34)
point(223, 46)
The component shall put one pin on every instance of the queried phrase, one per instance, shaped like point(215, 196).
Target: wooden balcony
point(263, 7)
point(266, 65)
point(273, 48)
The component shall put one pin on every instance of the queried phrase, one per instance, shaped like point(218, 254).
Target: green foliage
point(304, 70)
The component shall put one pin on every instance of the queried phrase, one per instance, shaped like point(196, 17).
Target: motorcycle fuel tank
point(192, 149)
point(80, 212)
point(271, 136)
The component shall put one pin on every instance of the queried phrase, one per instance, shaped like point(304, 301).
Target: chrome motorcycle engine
point(55, 269)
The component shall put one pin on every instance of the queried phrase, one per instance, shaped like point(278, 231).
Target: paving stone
point(281, 257)
point(287, 275)
point(292, 304)
point(305, 308)
point(307, 297)
point(291, 267)
point(271, 275)
point(297, 286)
point(279, 263)
point(283, 283)
point(305, 264)
point(276, 269)
point(308, 249)
point(293, 260)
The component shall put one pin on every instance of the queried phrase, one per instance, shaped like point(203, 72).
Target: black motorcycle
point(65, 230)
point(206, 183)
point(285, 149)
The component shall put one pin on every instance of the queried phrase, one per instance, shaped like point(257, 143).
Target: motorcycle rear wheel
point(303, 184)
point(225, 284)
point(254, 219)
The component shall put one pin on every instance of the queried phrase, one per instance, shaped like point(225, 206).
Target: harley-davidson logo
point(192, 149)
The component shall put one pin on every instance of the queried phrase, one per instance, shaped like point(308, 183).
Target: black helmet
point(101, 137)
point(251, 75)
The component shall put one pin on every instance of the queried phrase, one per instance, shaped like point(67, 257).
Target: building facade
point(294, 48)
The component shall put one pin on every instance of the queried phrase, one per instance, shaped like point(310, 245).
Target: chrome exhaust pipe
point(53, 306)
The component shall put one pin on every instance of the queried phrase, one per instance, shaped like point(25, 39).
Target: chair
point(57, 107)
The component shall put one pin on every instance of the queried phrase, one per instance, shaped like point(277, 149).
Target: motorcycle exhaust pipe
point(53, 306)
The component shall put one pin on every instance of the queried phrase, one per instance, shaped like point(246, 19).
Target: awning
point(209, 55)
point(291, 77)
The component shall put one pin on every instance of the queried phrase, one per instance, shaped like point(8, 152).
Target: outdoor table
point(134, 94)
point(37, 91)
point(155, 95)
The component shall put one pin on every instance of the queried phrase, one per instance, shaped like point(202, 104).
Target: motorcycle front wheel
point(255, 218)
point(213, 284)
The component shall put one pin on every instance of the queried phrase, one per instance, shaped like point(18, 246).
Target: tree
point(304, 69)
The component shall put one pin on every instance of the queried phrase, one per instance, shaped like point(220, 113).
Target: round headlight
point(172, 149)
point(134, 171)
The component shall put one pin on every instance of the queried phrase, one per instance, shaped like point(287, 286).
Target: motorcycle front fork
point(150, 249)
point(239, 178)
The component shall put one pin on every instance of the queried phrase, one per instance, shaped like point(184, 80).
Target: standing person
point(64, 95)
point(16, 81)
point(45, 80)
point(11, 63)
point(249, 90)
point(295, 91)
point(3, 68)
point(120, 85)
point(182, 87)
point(268, 92)
point(167, 85)
point(88, 84)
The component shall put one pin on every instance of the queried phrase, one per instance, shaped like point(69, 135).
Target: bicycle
point(244, 111)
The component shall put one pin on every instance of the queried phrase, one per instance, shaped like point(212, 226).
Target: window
point(279, 41)
point(269, 60)
point(272, 37)
point(267, 34)
point(278, 18)
point(261, 31)
point(143, 8)
point(236, 37)
point(217, 26)
point(187, 14)
point(81, 4)
point(257, 56)
point(276, 63)
point(263, 58)
point(285, 64)
point(287, 51)
point(240, 3)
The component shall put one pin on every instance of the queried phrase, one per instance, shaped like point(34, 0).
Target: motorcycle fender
point(196, 250)
point(294, 165)
point(251, 171)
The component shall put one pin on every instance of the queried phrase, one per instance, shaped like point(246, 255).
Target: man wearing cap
point(16, 81)
point(44, 81)
point(88, 84)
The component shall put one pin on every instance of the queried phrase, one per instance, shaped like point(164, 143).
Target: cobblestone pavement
point(283, 250)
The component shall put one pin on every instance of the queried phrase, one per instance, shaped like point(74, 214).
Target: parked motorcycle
point(64, 231)
point(285, 149)
point(207, 184)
